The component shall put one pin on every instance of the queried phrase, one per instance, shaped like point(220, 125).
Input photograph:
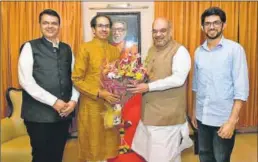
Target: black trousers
point(212, 148)
point(47, 140)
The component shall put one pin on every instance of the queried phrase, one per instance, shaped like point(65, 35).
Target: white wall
point(147, 17)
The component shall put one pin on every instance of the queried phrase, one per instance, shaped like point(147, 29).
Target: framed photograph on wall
point(126, 31)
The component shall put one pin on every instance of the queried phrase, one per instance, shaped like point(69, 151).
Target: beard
point(117, 39)
point(219, 33)
point(161, 41)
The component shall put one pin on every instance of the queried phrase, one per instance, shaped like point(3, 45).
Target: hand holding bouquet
point(115, 78)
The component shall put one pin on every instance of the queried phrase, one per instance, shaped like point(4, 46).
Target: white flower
point(111, 75)
point(117, 107)
point(117, 76)
point(117, 120)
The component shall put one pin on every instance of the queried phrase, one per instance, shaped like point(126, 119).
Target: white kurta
point(163, 143)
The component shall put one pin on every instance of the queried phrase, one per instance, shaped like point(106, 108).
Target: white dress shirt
point(28, 83)
point(181, 66)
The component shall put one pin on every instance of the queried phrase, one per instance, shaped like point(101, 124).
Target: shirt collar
point(219, 45)
point(99, 42)
point(55, 44)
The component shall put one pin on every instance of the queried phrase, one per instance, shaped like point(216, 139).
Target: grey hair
point(121, 22)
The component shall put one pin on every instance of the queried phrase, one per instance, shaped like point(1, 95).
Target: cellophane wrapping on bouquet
point(115, 78)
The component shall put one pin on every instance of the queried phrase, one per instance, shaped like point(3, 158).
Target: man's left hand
point(70, 107)
point(139, 88)
point(226, 131)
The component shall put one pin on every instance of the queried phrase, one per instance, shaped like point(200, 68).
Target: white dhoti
point(161, 143)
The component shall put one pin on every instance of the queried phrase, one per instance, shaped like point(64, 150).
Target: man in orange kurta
point(95, 142)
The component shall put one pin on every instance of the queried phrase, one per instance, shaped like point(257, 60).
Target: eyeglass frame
point(118, 29)
point(107, 26)
point(216, 23)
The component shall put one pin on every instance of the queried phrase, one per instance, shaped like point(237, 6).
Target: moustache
point(159, 37)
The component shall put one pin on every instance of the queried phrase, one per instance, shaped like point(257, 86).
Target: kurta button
point(62, 93)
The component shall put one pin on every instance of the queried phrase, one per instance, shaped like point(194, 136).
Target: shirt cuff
point(74, 98)
point(193, 89)
point(51, 101)
point(240, 98)
point(151, 86)
point(97, 94)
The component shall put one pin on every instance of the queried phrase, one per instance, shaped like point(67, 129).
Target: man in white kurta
point(163, 131)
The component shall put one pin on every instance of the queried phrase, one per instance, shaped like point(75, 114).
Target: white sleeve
point(75, 93)
point(26, 80)
point(181, 66)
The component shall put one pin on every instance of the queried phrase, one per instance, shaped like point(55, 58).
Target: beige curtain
point(20, 24)
point(241, 27)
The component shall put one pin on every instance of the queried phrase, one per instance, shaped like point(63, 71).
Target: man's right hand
point(59, 104)
point(194, 121)
point(109, 97)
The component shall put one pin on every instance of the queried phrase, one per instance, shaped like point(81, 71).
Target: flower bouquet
point(115, 78)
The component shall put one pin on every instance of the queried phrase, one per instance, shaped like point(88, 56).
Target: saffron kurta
point(95, 142)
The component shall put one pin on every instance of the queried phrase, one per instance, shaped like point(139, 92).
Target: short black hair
point(93, 21)
point(49, 12)
point(214, 11)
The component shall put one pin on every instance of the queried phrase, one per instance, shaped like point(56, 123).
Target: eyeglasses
point(214, 23)
point(103, 25)
point(118, 29)
point(162, 31)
